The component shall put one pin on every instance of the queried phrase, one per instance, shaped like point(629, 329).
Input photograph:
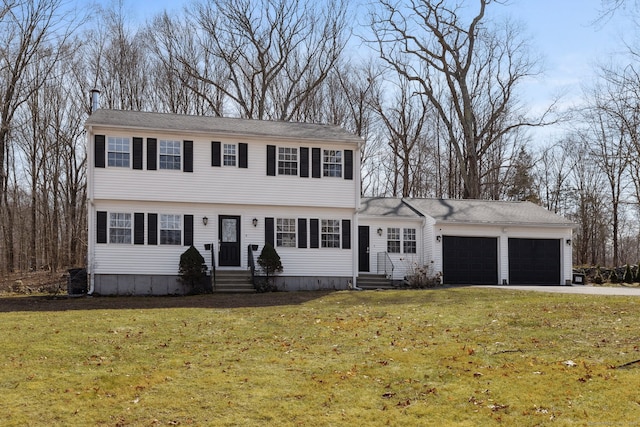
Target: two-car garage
point(475, 260)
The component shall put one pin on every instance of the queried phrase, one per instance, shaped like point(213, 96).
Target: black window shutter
point(215, 153)
point(188, 230)
point(152, 232)
point(315, 163)
point(137, 153)
point(271, 160)
point(101, 227)
point(99, 147)
point(304, 162)
point(348, 164)
point(268, 231)
point(188, 156)
point(152, 146)
point(314, 233)
point(138, 228)
point(346, 234)
point(302, 233)
point(243, 152)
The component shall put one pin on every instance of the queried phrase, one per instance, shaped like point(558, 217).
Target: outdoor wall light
point(568, 242)
point(205, 221)
point(379, 231)
point(255, 222)
point(439, 238)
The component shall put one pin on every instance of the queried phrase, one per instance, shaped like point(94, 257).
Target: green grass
point(462, 356)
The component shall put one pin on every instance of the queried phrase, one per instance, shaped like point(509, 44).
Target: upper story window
point(286, 232)
point(229, 155)
point(170, 229)
point(287, 161)
point(409, 240)
point(118, 152)
point(330, 233)
point(393, 240)
point(120, 228)
point(169, 154)
point(332, 163)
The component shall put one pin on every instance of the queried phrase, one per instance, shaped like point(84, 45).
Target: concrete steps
point(233, 281)
point(368, 281)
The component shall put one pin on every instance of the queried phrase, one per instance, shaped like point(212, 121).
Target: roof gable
point(220, 125)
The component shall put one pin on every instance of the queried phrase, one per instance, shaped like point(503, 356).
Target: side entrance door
point(229, 241)
point(363, 248)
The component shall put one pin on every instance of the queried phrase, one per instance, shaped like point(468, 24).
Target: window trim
point(394, 237)
point(229, 158)
point(118, 217)
point(289, 230)
point(288, 161)
point(177, 158)
point(406, 241)
point(118, 140)
point(165, 223)
point(327, 230)
point(332, 163)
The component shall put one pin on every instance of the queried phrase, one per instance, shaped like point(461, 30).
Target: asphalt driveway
point(578, 289)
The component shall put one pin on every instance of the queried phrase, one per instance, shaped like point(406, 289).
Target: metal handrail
point(252, 263)
point(385, 264)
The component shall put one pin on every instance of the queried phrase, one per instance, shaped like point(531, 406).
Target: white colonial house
point(159, 183)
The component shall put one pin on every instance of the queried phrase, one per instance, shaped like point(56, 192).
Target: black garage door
point(470, 260)
point(534, 261)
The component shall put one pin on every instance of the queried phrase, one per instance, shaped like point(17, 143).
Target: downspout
point(90, 213)
point(94, 104)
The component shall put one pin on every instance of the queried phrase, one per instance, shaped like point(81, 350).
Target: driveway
point(578, 289)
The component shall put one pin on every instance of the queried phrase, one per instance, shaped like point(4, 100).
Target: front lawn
point(459, 356)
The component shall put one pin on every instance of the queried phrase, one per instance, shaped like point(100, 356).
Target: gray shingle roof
point(386, 207)
point(220, 125)
point(487, 212)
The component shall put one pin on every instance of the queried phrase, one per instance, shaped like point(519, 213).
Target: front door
point(229, 241)
point(363, 248)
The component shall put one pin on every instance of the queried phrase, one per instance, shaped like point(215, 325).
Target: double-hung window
point(169, 154)
point(118, 152)
point(229, 154)
point(330, 233)
point(332, 163)
point(409, 240)
point(120, 228)
point(170, 229)
point(393, 240)
point(286, 232)
point(287, 161)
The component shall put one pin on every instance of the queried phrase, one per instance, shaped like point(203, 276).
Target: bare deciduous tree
point(469, 72)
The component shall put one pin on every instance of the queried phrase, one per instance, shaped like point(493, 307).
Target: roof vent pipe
point(95, 100)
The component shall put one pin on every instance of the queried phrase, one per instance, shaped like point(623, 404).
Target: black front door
point(229, 241)
point(363, 248)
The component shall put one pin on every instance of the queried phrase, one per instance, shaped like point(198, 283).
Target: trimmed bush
point(270, 262)
point(628, 275)
point(613, 276)
point(193, 271)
